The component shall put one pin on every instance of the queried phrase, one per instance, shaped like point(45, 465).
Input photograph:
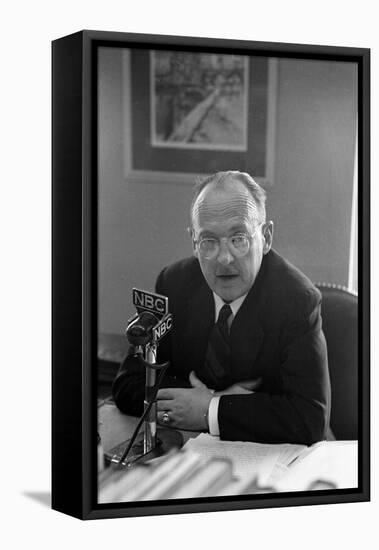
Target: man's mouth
point(227, 276)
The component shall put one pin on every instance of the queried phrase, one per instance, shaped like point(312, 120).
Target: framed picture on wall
point(173, 408)
point(190, 113)
point(198, 101)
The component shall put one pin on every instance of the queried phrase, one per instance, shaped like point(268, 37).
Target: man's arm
point(128, 388)
point(300, 413)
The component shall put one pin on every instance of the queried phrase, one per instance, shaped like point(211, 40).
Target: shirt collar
point(235, 305)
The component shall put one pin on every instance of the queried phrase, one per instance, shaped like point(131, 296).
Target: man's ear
point(268, 234)
point(192, 236)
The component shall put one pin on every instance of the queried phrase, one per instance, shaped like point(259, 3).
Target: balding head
point(223, 181)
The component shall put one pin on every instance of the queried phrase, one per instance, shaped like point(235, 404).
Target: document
point(284, 467)
point(327, 464)
point(249, 459)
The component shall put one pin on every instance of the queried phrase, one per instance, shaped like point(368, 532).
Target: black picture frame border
point(74, 266)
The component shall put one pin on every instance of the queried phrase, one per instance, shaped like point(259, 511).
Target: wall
point(311, 199)
point(142, 226)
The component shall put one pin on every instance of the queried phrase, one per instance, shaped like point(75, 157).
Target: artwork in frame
point(189, 113)
point(198, 100)
point(136, 118)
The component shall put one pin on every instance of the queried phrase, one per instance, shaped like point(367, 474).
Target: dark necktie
point(217, 359)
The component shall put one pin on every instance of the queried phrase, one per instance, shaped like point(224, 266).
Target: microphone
point(144, 331)
point(140, 331)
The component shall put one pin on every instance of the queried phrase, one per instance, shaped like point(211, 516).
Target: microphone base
point(166, 439)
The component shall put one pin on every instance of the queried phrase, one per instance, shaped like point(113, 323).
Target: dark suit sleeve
point(128, 388)
point(300, 412)
point(171, 379)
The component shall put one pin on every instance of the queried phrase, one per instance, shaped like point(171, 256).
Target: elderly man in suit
point(247, 354)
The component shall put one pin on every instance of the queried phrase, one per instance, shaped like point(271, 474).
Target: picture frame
point(77, 205)
point(152, 160)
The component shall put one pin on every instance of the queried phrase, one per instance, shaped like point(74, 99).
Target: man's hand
point(186, 408)
point(247, 386)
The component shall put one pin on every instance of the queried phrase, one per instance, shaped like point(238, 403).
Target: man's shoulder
point(284, 274)
point(288, 286)
point(185, 267)
point(183, 273)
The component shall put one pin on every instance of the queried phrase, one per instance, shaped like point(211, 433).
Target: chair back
point(339, 312)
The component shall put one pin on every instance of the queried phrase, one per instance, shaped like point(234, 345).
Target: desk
point(115, 427)
point(333, 456)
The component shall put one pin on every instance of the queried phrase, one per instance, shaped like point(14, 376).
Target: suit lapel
point(247, 332)
point(246, 341)
point(200, 319)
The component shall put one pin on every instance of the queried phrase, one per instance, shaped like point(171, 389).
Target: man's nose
point(224, 255)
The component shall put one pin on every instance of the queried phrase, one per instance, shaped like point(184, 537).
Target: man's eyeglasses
point(238, 244)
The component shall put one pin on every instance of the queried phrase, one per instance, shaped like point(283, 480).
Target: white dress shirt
point(213, 405)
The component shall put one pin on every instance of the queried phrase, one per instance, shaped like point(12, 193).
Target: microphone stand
point(148, 406)
point(150, 428)
point(143, 332)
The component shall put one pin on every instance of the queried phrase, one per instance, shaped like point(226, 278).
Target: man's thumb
point(194, 380)
point(251, 384)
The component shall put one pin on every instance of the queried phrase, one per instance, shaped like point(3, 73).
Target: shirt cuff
point(213, 416)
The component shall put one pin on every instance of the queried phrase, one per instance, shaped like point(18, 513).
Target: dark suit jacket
point(276, 335)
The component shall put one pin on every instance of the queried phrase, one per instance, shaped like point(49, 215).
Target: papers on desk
point(249, 459)
point(331, 464)
point(209, 467)
point(285, 467)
